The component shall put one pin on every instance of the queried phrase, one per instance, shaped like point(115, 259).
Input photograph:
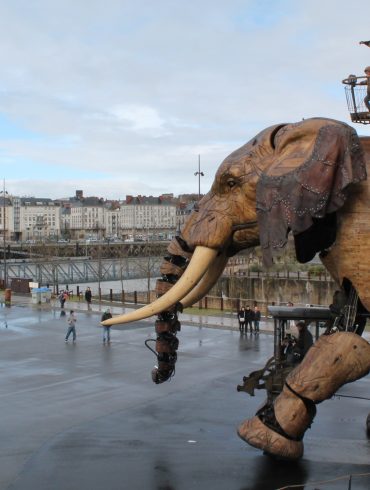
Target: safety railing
point(355, 95)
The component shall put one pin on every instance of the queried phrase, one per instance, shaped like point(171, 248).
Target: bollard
point(8, 297)
point(111, 295)
point(123, 296)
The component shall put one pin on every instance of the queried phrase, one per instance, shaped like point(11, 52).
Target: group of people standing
point(71, 319)
point(249, 318)
point(65, 295)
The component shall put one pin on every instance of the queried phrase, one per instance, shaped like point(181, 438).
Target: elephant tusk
point(200, 262)
point(206, 283)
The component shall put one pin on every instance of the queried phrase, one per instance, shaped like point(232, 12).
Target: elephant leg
point(332, 361)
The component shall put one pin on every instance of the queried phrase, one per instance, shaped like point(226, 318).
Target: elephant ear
point(315, 161)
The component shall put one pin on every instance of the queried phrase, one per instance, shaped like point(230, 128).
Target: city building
point(80, 218)
point(35, 218)
point(6, 217)
point(147, 216)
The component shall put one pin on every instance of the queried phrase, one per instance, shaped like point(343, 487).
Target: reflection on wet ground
point(88, 415)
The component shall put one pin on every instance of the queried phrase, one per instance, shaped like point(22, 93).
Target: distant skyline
point(121, 97)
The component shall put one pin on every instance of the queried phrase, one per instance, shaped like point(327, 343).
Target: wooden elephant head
point(292, 177)
point(289, 178)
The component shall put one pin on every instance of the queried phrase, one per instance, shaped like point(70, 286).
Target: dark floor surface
point(87, 416)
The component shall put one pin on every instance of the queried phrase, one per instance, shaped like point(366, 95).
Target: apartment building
point(88, 217)
point(112, 221)
point(146, 214)
point(36, 218)
point(6, 218)
point(78, 217)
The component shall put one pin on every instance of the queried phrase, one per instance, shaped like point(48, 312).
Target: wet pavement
point(87, 416)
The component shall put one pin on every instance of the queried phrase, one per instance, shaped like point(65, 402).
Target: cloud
point(132, 92)
point(139, 118)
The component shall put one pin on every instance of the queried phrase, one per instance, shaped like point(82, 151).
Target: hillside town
point(91, 218)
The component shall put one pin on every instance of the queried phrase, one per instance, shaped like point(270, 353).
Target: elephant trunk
point(187, 276)
point(175, 267)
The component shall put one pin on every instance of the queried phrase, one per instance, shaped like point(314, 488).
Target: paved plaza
point(87, 415)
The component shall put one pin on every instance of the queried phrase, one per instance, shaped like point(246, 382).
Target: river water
point(129, 285)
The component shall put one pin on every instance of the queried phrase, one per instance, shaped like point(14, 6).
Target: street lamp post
point(200, 174)
point(4, 230)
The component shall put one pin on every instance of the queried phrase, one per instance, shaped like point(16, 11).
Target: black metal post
point(199, 174)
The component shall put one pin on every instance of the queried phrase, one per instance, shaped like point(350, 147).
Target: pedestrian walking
point(71, 320)
point(106, 333)
point(257, 319)
point(63, 298)
point(88, 298)
point(249, 316)
point(241, 319)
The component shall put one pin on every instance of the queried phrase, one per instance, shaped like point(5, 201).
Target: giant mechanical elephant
point(307, 178)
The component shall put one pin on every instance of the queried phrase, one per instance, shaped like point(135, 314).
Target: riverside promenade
point(88, 416)
point(223, 320)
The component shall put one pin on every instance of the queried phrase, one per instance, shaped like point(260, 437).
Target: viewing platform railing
point(355, 95)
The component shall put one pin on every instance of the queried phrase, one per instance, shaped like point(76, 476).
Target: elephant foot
point(279, 426)
point(257, 434)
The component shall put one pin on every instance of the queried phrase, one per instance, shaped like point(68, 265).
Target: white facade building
point(87, 218)
point(147, 214)
point(6, 218)
point(31, 218)
point(38, 218)
point(112, 222)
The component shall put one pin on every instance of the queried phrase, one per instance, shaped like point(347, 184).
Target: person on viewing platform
point(367, 82)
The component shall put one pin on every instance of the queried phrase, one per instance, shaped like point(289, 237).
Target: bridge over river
point(95, 250)
point(80, 270)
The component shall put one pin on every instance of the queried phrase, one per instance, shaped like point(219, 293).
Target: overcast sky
point(120, 97)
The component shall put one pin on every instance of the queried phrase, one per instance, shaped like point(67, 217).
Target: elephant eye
point(231, 183)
